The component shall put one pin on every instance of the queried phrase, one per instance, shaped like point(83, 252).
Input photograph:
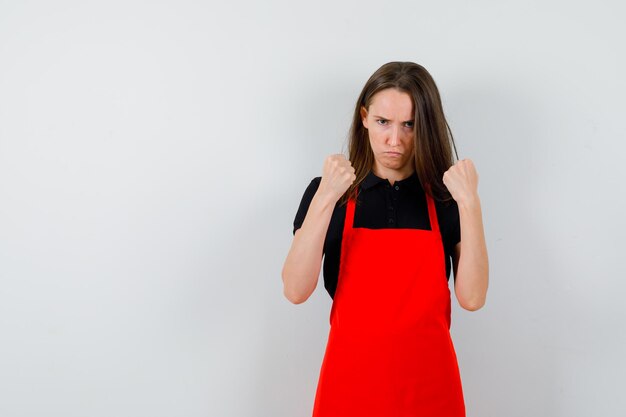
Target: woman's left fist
point(461, 179)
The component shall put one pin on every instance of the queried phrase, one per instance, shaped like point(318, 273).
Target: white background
point(153, 155)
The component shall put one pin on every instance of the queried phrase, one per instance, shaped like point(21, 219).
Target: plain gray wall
point(153, 156)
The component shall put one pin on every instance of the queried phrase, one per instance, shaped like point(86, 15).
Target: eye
point(381, 121)
point(409, 124)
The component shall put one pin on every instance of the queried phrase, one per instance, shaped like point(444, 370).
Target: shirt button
point(390, 220)
point(397, 188)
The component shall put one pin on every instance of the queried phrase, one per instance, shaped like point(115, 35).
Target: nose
point(394, 136)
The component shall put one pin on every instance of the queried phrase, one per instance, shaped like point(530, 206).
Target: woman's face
point(389, 123)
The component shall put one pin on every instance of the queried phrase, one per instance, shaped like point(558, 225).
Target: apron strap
point(432, 211)
point(350, 211)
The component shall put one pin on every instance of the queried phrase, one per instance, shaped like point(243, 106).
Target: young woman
point(388, 220)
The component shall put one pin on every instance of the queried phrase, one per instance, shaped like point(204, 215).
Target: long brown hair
point(432, 137)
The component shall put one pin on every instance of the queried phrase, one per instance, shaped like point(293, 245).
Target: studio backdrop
point(153, 156)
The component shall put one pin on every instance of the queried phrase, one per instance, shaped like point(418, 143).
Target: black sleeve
point(309, 193)
point(456, 228)
point(453, 234)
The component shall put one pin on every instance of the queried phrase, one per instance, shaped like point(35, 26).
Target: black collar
point(372, 180)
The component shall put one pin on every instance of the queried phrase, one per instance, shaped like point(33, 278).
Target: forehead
point(392, 103)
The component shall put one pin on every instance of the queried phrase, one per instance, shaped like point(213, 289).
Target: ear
point(364, 116)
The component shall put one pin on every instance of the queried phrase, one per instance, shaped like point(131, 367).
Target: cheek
point(410, 145)
point(375, 135)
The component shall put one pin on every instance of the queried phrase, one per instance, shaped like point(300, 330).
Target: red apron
point(389, 350)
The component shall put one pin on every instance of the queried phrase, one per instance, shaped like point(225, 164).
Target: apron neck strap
point(350, 210)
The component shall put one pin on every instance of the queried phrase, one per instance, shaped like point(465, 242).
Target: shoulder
point(305, 202)
point(312, 188)
point(449, 222)
point(447, 207)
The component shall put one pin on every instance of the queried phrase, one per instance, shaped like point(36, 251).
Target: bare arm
point(302, 267)
point(471, 264)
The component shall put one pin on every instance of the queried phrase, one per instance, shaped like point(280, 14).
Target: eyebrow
point(381, 117)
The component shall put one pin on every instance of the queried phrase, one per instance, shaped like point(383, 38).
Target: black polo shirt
point(402, 205)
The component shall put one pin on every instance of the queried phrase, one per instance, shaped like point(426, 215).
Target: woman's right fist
point(338, 175)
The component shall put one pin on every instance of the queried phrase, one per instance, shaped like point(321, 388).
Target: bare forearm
point(302, 266)
point(472, 277)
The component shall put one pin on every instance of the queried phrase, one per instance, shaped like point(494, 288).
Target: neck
point(393, 175)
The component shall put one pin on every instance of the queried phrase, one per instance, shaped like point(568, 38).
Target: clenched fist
point(338, 175)
point(461, 179)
